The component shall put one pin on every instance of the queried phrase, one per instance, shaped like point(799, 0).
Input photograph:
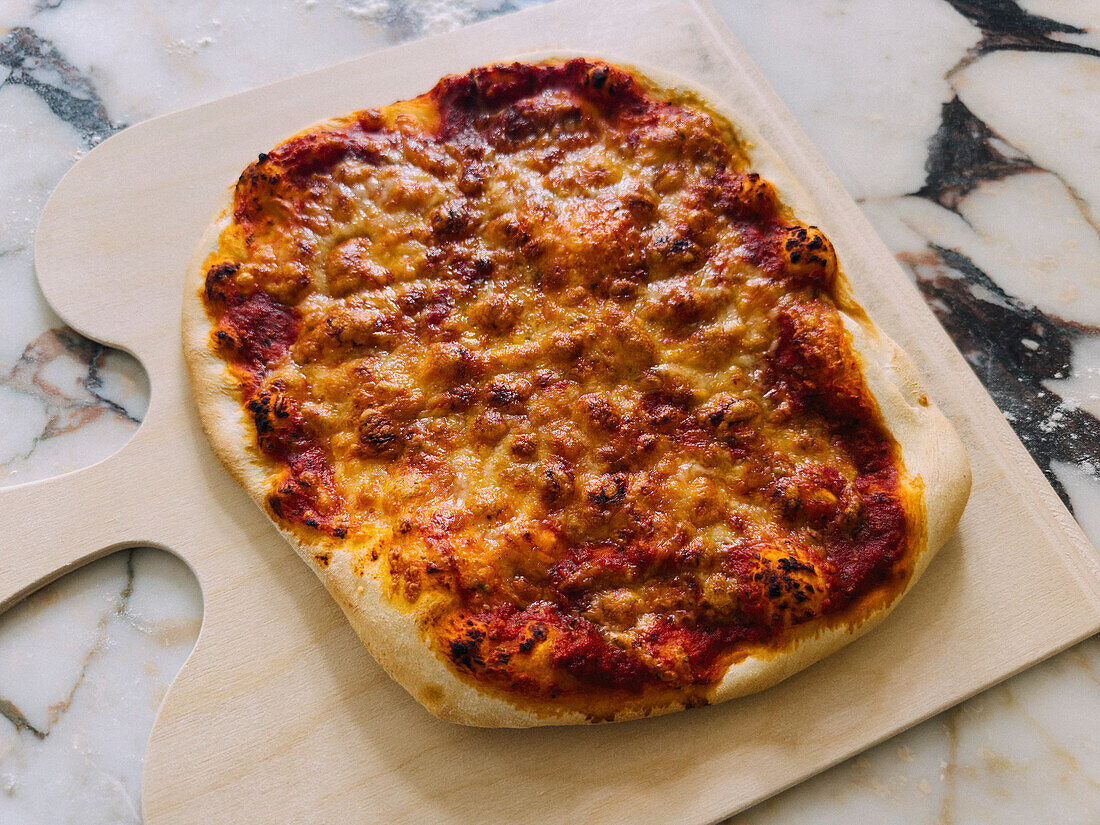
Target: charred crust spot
point(270, 416)
point(464, 654)
point(452, 220)
point(793, 565)
point(607, 490)
point(756, 195)
point(465, 651)
point(810, 259)
point(379, 435)
point(323, 558)
point(508, 392)
point(261, 415)
point(536, 632)
point(219, 287)
point(597, 77)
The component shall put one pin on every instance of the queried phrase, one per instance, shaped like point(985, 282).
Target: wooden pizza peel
point(279, 714)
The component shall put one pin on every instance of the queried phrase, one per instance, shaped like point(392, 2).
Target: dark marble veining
point(1004, 25)
point(36, 63)
point(963, 154)
point(1012, 346)
point(64, 373)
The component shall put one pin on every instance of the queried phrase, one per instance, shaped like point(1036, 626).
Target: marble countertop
point(967, 130)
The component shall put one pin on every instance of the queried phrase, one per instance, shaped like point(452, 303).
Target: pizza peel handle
point(106, 267)
point(129, 499)
point(52, 526)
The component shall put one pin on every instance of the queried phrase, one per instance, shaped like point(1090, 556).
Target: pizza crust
point(931, 452)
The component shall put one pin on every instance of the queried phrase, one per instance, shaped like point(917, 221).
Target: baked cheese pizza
point(570, 408)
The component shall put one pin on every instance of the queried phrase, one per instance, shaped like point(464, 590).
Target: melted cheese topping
point(542, 354)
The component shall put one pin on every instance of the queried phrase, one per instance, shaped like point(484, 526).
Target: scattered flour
point(1056, 418)
point(186, 47)
point(431, 16)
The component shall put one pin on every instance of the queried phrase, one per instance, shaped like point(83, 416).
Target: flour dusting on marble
point(431, 16)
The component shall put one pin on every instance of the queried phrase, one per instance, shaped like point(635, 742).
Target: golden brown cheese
point(545, 357)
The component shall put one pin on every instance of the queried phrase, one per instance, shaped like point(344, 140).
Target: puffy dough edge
point(931, 451)
point(391, 635)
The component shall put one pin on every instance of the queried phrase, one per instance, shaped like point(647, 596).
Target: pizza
point(570, 408)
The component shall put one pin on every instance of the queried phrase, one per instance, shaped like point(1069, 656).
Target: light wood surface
point(280, 715)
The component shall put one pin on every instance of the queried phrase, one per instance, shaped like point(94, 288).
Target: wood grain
point(280, 715)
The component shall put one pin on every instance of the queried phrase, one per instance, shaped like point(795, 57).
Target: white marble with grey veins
point(968, 130)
